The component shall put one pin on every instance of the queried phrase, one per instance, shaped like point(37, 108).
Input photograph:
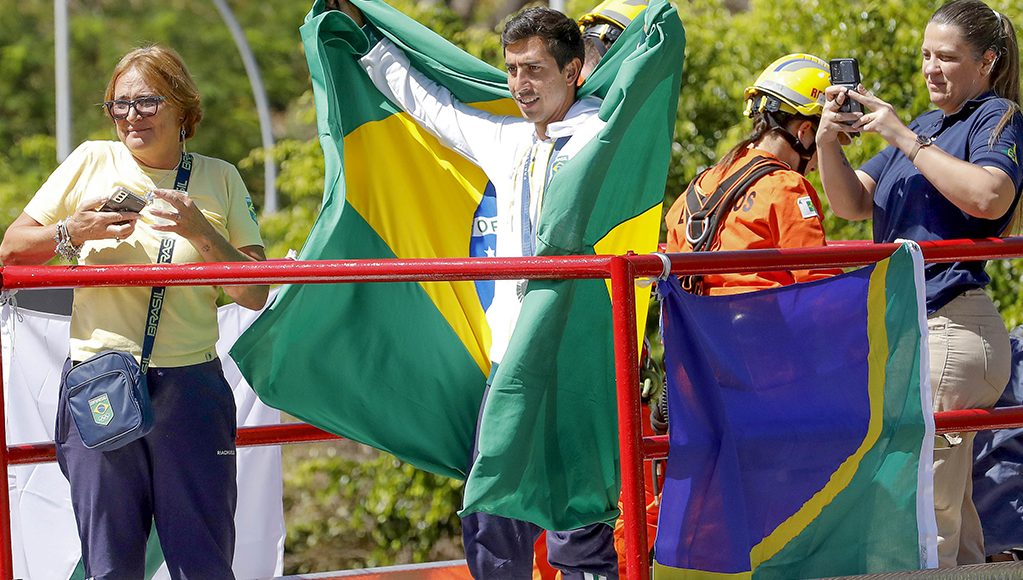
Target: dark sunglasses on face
point(144, 107)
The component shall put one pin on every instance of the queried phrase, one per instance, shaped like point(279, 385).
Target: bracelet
point(65, 247)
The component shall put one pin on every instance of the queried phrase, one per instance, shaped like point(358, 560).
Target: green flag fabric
point(403, 366)
point(548, 441)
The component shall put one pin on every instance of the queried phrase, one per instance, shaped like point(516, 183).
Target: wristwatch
point(921, 142)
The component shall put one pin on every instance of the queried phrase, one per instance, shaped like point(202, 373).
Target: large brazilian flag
point(403, 366)
point(801, 432)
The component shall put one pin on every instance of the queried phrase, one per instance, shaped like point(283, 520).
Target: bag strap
point(163, 257)
point(704, 214)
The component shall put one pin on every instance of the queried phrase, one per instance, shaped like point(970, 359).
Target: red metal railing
point(622, 271)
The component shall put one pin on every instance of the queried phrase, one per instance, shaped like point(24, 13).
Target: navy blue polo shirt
point(907, 206)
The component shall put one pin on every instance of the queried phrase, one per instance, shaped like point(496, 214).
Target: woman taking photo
point(952, 173)
point(181, 474)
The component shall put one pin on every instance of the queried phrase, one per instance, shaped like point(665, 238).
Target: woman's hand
point(880, 118)
point(184, 218)
point(89, 224)
point(850, 192)
point(834, 123)
point(27, 241)
point(187, 220)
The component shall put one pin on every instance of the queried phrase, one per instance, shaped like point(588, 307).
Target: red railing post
point(623, 311)
point(6, 551)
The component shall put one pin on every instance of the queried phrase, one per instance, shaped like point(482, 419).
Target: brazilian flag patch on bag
point(102, 412)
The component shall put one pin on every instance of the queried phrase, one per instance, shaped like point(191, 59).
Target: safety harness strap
point(704, 213)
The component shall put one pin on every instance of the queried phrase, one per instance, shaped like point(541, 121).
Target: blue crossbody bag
point(107, 394)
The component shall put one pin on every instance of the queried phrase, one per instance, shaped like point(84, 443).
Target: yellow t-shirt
point(114, 318)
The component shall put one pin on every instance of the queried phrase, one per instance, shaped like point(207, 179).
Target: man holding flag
point(543, 55)
point(421, 141)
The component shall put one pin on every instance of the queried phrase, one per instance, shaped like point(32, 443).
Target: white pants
point(970, 362)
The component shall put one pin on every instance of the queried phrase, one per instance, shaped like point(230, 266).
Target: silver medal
point(520, 289)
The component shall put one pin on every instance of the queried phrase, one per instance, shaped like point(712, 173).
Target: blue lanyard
point(528, 238)
point(156, 297)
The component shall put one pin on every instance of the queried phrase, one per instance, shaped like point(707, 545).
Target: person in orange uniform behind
point(602, 26)
point(731, 206)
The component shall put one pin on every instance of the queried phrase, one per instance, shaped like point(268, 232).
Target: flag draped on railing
point(800, 429)
point(403, 366)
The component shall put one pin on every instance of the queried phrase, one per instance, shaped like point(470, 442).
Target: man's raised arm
point(469, 131)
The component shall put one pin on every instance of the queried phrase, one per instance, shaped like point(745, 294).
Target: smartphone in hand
point(845, 72)
point(123, 199)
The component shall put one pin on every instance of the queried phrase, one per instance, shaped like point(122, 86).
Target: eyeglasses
point(144, 107)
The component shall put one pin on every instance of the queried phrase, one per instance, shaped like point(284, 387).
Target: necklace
point(163, 180)
point(171, 173)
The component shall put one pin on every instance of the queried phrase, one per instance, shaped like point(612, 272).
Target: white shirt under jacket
point(499, 145)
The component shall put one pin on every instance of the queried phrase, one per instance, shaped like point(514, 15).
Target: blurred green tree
point(725, 51)
point(100, 32)
point(351, 507)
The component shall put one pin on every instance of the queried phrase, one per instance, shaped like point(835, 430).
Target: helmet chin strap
point(805, 153)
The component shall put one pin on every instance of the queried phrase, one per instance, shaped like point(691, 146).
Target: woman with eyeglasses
point(182, 474)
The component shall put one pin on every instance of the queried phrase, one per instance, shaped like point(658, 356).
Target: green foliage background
point(347, 506)
point(725, 51)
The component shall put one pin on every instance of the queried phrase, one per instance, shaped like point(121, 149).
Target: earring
point(991, 64)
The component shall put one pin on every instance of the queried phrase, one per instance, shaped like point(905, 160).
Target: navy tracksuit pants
point(180, 476)
point(500, 548)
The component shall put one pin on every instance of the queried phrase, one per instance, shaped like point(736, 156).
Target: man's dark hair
point(559, 33)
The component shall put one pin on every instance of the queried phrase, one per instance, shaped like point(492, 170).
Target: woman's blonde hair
point(164, 70)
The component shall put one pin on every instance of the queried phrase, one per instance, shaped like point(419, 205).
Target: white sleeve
point(473, 133)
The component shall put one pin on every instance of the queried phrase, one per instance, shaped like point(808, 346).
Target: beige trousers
point(970, 361)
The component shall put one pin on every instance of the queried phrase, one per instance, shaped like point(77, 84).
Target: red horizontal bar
point(653, 447)
point(656, 447)
point(451, 269)
point(285, 433)
point(978, 419)
point(838, 255)
point(307, 272)
point(28, 453)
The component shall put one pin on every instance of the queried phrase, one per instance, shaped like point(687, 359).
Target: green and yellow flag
point(403, 366)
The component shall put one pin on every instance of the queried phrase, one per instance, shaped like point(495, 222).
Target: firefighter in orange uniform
point(757, 195)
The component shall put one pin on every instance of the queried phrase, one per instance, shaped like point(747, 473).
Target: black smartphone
point(845, 72)
point(122, 199)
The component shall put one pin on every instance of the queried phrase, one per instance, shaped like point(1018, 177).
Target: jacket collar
point(580, 112)
point(971, 105)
